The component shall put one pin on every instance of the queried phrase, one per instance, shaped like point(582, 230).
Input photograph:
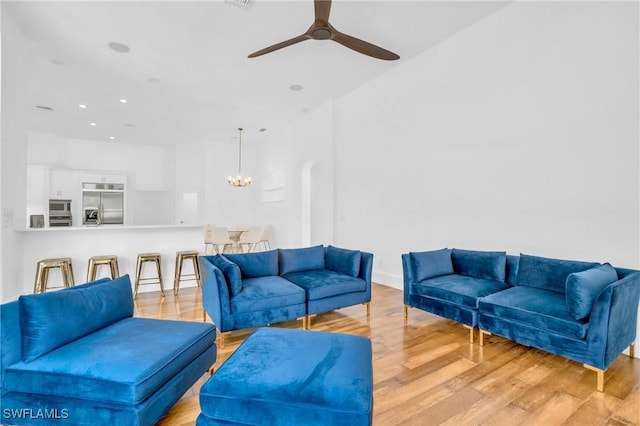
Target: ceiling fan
point(321, 29)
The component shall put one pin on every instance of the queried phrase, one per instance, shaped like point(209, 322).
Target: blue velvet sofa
point(254, 289)
point(584, 311)
point(77, 357)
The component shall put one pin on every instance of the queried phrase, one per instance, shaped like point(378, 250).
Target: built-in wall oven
point(102, 203)
point(60, 213)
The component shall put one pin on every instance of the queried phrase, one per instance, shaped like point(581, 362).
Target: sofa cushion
point(231, 272)
point(301, 259)
point(544, 309)
point(266, 293)
point(546, 273)
point(324, 283)
point(124, 362)
point(259, 264)
point(488, 265)
point(458, 289)
point(584, 287)
point(50, 320)
point(342, 260)
point(292, 377)
point(429, 264)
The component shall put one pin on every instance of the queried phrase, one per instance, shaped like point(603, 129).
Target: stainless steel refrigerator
point(102, 203)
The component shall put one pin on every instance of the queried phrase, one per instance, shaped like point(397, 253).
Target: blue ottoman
point(292, 377)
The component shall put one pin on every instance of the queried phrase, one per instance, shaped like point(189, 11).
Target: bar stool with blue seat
point(178, 276)
point(40, 284)
point(148, 257)
point(96, 261)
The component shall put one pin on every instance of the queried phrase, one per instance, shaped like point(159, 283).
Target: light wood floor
point(427, 373)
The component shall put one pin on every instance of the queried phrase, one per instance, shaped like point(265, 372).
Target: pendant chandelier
point(239, 181)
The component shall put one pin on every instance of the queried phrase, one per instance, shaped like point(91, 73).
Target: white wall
point(306, 143)
point(520, 133)
point(15, 60)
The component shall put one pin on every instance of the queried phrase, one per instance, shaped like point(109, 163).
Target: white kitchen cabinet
point(63, 184)
point(93, 177)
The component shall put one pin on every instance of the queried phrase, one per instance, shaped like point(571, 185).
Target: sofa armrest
point(614, 316)
point(408, 277)
point(215, 295)
point(366, 267)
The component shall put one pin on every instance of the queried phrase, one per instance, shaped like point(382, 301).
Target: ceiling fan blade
point(322, 8)
point(280, 45)
point(363, 46)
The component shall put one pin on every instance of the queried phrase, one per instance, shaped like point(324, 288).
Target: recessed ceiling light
point(112, 137)
point(123, 101)
point(262, 130)
point(296, 87)
point(48, 108)
point(119, 47)
point(92, 124)
point(130, 125)
point(82, 106)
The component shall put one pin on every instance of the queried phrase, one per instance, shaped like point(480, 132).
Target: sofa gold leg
point(470, 332)
point(481, 336)
point(599, 375)
point(304, 322)
point(309, 320)
point(405, 312)
point(632, 351)
point(368, 307)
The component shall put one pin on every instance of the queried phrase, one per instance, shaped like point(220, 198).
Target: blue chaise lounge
point(255, 289)
point(584, 311)
point(77, 357)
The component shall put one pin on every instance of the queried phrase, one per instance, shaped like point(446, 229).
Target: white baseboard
point(390, 280)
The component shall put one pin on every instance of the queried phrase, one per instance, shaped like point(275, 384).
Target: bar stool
point(148, 257)
point(42, 273)
point(181, 256)
point(95, 261)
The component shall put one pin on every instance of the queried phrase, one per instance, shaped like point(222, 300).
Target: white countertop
point(105, 228)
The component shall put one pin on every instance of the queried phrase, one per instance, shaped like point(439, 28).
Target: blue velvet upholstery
point(93, 305)
point(123, 363)
point(300, 259)
point(458, 289)
point(258, 264)
point(342, 260)
point(548, 274)
point(266, 293)
point(582, 288)
point(292, 377)
point(129, 371)
point(268, 299)
point(325, 283)
point(488, 265)
point(543, 309)
point(537, 312)
point(429, 264)
point(231, 273)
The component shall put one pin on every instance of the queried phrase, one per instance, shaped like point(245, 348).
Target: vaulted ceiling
point(187, 78)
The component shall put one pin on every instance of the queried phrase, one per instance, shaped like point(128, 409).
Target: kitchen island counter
point(82, 242)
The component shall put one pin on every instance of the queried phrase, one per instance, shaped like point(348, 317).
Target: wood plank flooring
point(427, 373)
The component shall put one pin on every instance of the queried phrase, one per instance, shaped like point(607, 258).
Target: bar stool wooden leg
point(176, 274)
point(160, 276)
point(138, 270)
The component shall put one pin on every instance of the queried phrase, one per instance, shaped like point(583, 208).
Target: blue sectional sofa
point(254, 289)
point(584, 311)
point(77, 356)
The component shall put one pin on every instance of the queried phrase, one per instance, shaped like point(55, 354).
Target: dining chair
point(220, 237)
point(208, 239)
point(266, 235)
point(242, 227)
point(250, 239)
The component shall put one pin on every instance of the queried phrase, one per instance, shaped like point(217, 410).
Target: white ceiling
point(187, 77)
